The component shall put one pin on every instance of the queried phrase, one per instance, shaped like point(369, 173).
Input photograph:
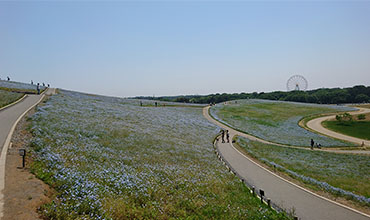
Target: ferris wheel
point(296, 83)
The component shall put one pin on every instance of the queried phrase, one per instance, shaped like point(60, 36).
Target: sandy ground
point(23, 193)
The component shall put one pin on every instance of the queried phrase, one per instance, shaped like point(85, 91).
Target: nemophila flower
point(323, 165)
point(98, 148)
point(18, 85)
point(263, 124)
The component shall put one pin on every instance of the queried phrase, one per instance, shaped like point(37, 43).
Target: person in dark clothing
point(223, 136)
point(312, 144)
point(227, 136)
point(8, 78)
point(38, 88)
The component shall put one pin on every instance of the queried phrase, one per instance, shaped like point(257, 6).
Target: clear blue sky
point(170, 48)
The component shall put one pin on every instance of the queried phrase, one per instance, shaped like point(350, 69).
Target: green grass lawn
point(359, 129)
point(345, 175)
point(276, 121)
point(7, 97)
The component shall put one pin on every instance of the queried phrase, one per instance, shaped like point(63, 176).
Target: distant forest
point(356, 94)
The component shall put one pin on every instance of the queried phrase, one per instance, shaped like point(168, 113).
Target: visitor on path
point(43, 84)
point(223, 136)
point(156, 104)
point(312, 144)
point(31, 82)
point(8, 78)
point(48, 85)
point(38, 88)
point(227, 136)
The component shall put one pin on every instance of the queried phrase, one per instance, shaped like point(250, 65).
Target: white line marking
point(308, 191)
point(4, 153)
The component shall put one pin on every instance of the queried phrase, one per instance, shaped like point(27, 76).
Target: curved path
point(286, 195)
point(9, 118)
point(315, 124)
point(253, 138)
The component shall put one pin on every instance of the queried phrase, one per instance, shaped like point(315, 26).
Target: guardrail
point(259, 193)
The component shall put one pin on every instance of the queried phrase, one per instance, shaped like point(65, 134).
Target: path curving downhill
point(287, 195)
point(9, 118)
point(315, 125)
point(253, 138)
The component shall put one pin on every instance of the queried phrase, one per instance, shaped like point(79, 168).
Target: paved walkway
point(285, 194)
point(9, 118)
point(253, 138)
point(315, 124)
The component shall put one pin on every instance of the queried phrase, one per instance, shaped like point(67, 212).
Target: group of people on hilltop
point(38, 86)
point(225, 134)
point(7, 78)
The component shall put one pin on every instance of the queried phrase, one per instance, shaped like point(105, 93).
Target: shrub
point(344, 117)
point(361, 117)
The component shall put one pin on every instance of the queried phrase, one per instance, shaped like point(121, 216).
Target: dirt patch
point(367, 117)
point(23, 193)
point(362, 105)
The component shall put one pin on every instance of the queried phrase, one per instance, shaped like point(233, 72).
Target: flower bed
point(276, 121)
point(19, 87)
point(343, 175)
point(110, 158)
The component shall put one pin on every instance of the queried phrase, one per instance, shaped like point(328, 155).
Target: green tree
point(338, 118)
point(347, 117)
point(312, 99)
point(361, 98)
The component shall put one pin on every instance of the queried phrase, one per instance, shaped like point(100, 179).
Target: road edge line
point(13, 103)
point(304, 189)
point(4, 153)
point(300, 187)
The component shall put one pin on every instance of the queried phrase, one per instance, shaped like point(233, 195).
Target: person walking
point(38, 88)
point(312, 144)
point(223, 136)
point(227, 136)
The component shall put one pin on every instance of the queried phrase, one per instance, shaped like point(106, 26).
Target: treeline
point(356, 94)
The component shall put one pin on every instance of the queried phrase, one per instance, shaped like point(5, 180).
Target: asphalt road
point(287, 195)
point(315, 124)
point(9, 117)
